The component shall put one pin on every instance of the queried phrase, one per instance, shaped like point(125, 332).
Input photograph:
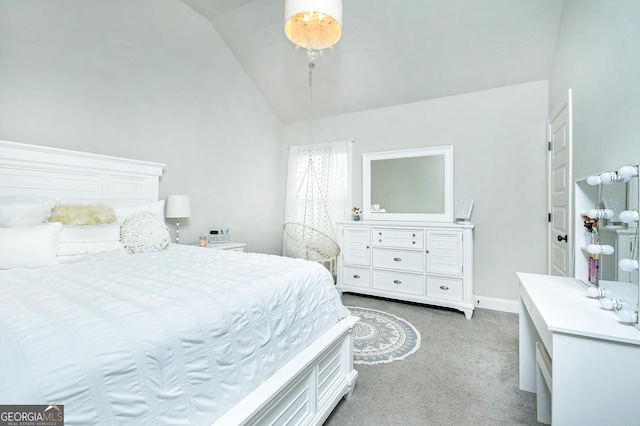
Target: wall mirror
point(408, 185)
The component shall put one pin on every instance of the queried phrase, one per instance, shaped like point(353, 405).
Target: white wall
point(597, 57)
point(499, 159)
point(152, 80)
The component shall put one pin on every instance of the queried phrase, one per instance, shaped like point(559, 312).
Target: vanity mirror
point(408, 185)
point(615, 232)
point(607, 239)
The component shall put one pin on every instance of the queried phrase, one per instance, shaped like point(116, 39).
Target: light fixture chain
point(311, 68)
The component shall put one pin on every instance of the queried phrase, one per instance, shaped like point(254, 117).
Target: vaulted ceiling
point(391, 52)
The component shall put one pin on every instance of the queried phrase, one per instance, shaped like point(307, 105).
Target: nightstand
point(228, 246)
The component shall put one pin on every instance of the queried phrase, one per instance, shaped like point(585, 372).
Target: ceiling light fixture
point(313, 24)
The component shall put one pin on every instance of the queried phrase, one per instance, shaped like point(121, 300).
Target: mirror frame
point(446, 216)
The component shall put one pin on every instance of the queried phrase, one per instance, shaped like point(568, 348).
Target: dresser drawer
point(359, 277)
point(400, 238)
point(444, 288)
point(410, 261)
point(399, 282)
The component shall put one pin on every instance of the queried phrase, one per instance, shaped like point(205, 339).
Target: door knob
point(560, 238)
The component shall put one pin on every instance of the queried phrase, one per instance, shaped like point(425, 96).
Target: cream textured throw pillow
point(144, 232)
point(81, 215)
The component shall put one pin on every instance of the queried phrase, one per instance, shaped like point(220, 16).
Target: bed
point(181, 335)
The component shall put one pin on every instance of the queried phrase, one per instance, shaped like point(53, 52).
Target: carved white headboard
point(59, 173)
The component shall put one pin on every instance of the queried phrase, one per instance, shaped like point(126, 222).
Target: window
point(319, 186)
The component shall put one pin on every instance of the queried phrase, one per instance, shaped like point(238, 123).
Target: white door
point(560, 190)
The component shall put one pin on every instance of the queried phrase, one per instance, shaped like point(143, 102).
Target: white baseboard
point(494, 304)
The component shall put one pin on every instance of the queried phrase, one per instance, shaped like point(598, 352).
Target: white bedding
point(174, 337)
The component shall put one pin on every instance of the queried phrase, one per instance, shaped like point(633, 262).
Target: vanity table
point(582, 362)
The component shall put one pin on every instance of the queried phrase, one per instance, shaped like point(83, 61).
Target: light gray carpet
point(465, 373)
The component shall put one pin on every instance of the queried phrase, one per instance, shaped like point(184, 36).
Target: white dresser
point(426, 263)
point(581, 361)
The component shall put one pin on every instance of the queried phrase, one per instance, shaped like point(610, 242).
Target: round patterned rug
point(379, 337)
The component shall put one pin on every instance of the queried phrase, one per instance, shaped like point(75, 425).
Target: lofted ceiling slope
point(391, 52)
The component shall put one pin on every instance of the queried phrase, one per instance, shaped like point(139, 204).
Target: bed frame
point(303, 392)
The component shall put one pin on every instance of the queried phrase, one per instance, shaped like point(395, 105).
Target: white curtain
point(319, 185)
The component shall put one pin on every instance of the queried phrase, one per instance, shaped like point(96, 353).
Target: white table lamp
point(177, 208)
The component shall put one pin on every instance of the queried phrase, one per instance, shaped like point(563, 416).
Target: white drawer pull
point(356, 276)
point(444, 287)
point(397, 282)
point(397, 259)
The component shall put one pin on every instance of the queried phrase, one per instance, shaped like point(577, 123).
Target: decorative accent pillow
point(29, 247)
point(144, 232)
point(79, 214)
point(19, 211)
point(89, 239)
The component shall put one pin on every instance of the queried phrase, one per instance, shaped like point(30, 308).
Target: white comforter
point(175, 337)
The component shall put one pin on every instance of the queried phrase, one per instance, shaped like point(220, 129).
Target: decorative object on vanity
point(178, 207)
point(356, 213)
point(606, 255)
point(381, 338)
point(408, 185)
point(314, 25)
point(428, 263)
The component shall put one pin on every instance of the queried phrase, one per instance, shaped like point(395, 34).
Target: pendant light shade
point(313, 24)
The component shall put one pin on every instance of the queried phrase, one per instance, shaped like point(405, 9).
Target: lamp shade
point(177, 206)
point(313, 24)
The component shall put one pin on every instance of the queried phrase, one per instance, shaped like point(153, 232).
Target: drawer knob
point(397, 282)
point(367, 246)
point(414, 242)
point(380, 240)
point(397, 259)
point(414, 235)
point(379, 233)
point(444, 287)
point(356, 276)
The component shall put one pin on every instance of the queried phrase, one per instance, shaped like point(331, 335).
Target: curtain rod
point(319, 143)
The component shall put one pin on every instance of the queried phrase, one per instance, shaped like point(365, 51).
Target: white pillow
point(90, 233)
point(126, 208)
point(76, 240)
point(20, 212)
point(29, 247)
point(144, 232)
point(72, 249)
